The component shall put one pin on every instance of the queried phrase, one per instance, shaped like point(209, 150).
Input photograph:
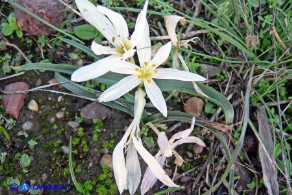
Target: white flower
point(114, 28)
point(145, 73)
point(166, 150)
point(127, 172)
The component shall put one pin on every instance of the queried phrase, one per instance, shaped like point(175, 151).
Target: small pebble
point(33, 106)
point(106, 159)
point(32, 182)
point(60, 98)
point(53, 81)
point(73, 124)
point(65, 149)
point(27, 125)
point(39, 82)
point(190, 155)
point(198, 149)
point(44, 177)
point(53, 120)
point(60, 114)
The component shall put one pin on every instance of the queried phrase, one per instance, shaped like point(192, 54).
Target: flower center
point(125, 46)
point(146, 72)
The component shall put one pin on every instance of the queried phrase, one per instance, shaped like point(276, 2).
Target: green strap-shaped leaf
point(76, 88)
point(80, 46)
point(64, 68)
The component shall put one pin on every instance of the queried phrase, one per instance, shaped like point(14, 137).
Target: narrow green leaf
point(76, 184)
point(168, 190)
point(64, 68)
point(119, 104)
point(80, 46)
point(75, 87)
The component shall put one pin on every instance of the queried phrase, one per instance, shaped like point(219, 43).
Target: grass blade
point(81, 47)
point(76, 184)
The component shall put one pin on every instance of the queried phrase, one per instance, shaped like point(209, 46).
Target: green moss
point(80, 132)
point(108, 144)
point(75, 141)
point(101, 189)
point(78, 169)
point(60, 131)
point(66, 171)
point(102, 177)
point(88, 186)
point(56, 143)
point(98, 124)
point(95, 136)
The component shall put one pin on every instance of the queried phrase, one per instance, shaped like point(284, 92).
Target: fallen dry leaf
point(266, 157)
point(219, 126)
point(13, 103)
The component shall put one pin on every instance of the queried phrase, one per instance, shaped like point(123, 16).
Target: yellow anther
point(137, 69)
point(155, 71)
point(149, 81)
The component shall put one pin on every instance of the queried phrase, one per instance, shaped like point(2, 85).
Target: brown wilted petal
point(13, 103)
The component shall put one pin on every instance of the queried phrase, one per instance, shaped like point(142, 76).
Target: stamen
point(149, 81)
point(155, 71)
point(137, 69)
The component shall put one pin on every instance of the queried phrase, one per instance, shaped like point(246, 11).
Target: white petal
point(156, 97)
point(128, 53)
point(124, 67)
point(190, 139)
point(171, 73)
point(97, 19)
point(102, 50)
point(152, 163)
point(139, 104)
point(149, 178)
point(119, 89)
point(94, 70)
point(133, 169)
point(144, 46)
point(117, 20)
point(170, 24)
point(119, 165)
point(140, 25)
point(161, 55)
point(184, 133)
point(164, 145)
